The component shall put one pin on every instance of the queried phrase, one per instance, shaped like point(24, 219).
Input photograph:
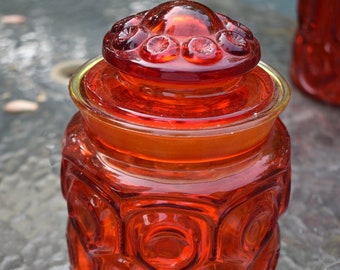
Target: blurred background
point(41, 44)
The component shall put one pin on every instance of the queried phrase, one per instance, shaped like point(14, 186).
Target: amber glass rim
point(269, 114)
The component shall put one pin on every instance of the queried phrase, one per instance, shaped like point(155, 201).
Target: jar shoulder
point(269, 158)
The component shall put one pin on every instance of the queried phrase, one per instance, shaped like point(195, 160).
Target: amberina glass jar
point(315, 67)
point(177, 158)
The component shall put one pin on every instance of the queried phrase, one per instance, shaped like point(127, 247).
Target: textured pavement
point(32, 210)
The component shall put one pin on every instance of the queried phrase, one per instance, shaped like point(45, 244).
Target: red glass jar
point(177, 158)
point(315, 67)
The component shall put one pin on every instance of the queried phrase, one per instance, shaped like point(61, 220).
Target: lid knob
point(181, 41)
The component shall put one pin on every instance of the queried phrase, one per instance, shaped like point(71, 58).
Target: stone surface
point(32, 210)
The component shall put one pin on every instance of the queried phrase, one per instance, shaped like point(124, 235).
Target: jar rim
point(271, 112)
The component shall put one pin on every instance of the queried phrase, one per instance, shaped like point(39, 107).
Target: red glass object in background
point(177, 158)
point(315, 67)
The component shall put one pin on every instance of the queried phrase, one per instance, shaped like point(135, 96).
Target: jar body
point(129, 213)
point(315, 67)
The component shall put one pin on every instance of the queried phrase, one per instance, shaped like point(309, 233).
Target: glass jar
point(315, 67)
point(180, 162)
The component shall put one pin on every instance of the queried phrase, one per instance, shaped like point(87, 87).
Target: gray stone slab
point(32, 210)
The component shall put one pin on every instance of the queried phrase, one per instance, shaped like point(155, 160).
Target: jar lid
point(179, 66)
point(181, 41)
